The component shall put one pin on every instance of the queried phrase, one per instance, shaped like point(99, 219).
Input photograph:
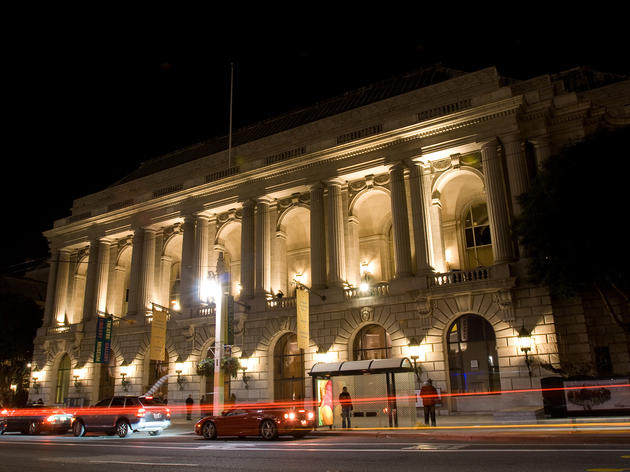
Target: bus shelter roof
point(370, 366)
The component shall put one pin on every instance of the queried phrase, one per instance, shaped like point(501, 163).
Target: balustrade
point(460, 276)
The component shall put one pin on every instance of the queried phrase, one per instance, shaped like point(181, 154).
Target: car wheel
point(268, 430)
point(122, 429)
point(2, 428)
point(154, 433)
point(33, 428)
point(78, 428)
point(209, 430)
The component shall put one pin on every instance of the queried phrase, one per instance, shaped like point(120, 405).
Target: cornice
point(279, 171)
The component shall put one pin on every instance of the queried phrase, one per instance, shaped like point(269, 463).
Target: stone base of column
point(405, 285)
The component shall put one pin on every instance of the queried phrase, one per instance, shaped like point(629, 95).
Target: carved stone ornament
point(424, 306)
point(367, 312)
point(503, 298)
point(442, 164)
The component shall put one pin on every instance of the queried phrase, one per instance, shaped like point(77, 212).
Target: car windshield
point(150, 401)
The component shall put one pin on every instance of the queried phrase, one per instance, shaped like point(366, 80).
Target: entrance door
point(288, 362)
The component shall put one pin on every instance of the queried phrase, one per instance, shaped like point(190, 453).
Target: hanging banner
point(158, 335)
point(302, 318)
point(229, 338)
point(102, 345)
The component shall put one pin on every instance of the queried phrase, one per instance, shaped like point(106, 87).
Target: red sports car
point(269, 423)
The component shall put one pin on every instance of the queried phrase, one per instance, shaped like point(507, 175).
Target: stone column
point(318, 242)
point(438, 235)
point(212, 236)
point(136, 268)
point(61, 286)
point(353, 270)
point(113, 290)
point(263, 247)
point(201, 256)
point(336, 238)
point(50, 287)
point(118, 290)
point(187, 274)
point(419, 220)
point(542, 150)
point(157, 267)
point(516, 167)
point(70, 305)
point(497, 205)
point(400, 222)
point(280, 262)
point(89, 301)
point(145, 287)
point(165, 280)
point(247, 250)
point(102, 275)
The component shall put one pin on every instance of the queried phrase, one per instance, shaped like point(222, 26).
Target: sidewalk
point(485, 428)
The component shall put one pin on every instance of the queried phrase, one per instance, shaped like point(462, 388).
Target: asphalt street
point(177, 449)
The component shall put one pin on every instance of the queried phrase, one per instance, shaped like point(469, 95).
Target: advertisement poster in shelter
point(593, 395)
point(324, 402)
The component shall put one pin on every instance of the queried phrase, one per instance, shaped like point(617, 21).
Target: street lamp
point(525, 341)
point(124, 370)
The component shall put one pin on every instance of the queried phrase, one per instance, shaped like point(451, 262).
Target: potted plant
point(205, 367)
point(231, 366)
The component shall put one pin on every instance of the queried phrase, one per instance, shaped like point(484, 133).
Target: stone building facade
point(393, 202)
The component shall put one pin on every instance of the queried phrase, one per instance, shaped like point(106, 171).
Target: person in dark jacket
point(346, 407)
point(189, 406)
point(429, 398)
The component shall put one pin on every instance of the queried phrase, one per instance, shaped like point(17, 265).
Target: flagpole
point(230, 128)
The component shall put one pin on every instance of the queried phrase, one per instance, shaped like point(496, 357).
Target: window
point(288, 372)
point(118, 401)
point(472, 356)
point(372, 342)
point(103, 403)
point(477, 236)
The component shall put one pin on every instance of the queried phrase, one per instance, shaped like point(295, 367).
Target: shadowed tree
point(573, 227)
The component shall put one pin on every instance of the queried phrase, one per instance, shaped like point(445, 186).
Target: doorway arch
point(472, 355)
point(288, 370)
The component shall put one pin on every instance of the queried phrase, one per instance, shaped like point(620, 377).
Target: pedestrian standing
point(189, 406)
point(346, 407)
point(429, 399)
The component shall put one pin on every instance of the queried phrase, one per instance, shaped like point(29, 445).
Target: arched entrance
point(472, 355)
point(288, 371)
point(63, 379)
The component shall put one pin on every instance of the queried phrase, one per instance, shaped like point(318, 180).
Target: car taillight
point(289, 416)
point(4, 412)
point(140, 412)
point(168, 413)
point(51, 419)
point(310, 415)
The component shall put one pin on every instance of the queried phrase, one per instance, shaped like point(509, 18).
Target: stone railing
point(280, 303)
point(459, 276)
point(378, 290)
point(207, 310)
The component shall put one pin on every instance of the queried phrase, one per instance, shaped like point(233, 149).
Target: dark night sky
point(87, 103)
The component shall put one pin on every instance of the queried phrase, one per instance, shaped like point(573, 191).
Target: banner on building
point(103, 342)
point(158, 335)
point(302, 318)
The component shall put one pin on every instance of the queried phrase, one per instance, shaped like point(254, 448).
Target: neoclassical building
point(392, 203)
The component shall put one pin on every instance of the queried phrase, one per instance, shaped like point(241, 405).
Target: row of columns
point(328, 252)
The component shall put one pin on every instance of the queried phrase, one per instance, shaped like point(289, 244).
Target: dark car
point(123, 415)
point(269, 423)
point(35, 419)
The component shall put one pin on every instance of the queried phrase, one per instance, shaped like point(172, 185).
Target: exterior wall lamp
point(414, 353)
point(77, 381)
point(36, 382)
point(525, 341)
point(123, 373)
point(179, 368)
point(364, 287)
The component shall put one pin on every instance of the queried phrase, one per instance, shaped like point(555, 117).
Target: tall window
point(372, 342)
point(63, 379)
point(288, 372)
point(472, 356)
point(477, 234)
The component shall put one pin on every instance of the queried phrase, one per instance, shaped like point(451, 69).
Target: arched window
point(372, 342)
point(472, 356)
point(288, 370)
point(477, 236)
point(63, 379)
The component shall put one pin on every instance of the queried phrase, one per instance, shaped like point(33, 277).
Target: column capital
point(335, 181)
point(491, 143)
point(399, 166)
point(202, 216)
point(510, 138)
point(249, 203)
point(265, 200)
point(316, 186)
